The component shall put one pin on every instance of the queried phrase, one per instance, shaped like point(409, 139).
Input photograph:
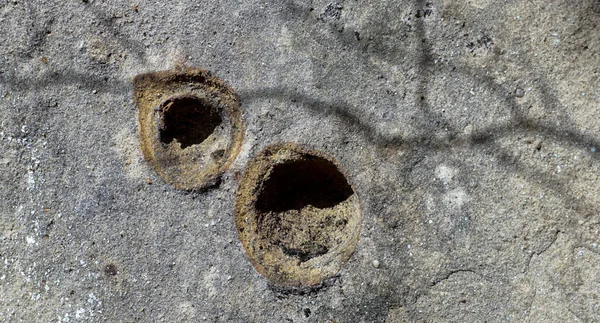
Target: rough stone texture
point(470, 129)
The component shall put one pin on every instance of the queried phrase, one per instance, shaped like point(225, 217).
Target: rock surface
point(470, 129)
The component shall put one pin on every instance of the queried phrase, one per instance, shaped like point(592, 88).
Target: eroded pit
point(190, 125)
point(297, 215)
point(188, 120)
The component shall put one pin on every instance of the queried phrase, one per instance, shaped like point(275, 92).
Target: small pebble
point(376, 263)
point(468, 130)
point(593, 149)
point(519, 93)
point(94, 92)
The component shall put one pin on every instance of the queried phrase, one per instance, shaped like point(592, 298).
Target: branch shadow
point(50, 79)
point(485, 138)
point(566, 135)
point(134, 47)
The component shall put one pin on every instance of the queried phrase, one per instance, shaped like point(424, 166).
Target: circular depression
point(297, 215)
point(190, 125)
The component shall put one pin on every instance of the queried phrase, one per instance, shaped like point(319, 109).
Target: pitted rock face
point(297, 215)
point(190, 125)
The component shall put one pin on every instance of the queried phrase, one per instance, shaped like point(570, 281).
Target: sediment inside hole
point(190, 125)
point(188, 120)
point(297, 215)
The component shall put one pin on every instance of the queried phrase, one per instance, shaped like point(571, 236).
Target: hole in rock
point(111, 270)
point(296, 184)
point(297, 215)
point(188, 120)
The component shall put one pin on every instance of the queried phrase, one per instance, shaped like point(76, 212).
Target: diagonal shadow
point(482, 138)
point(486, 137)
point(68, 78)
point(136, 48)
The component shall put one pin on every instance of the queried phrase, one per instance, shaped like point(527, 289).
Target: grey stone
point(89, 233)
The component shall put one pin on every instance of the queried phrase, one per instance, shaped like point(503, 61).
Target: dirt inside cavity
point(297, 215)
point(190, 125)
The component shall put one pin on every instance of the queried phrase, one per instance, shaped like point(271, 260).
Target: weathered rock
point(479, 204)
